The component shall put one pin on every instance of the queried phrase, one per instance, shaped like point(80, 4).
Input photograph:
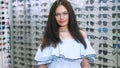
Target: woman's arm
point(42, 66)
point(85, 63)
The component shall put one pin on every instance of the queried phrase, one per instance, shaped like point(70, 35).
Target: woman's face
point(62, 16)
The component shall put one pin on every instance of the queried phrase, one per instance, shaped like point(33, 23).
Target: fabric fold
point(63, 52)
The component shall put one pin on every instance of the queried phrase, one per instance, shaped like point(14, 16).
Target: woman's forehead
point(61, 8)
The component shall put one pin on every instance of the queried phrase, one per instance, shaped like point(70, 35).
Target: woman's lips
point(62, 21)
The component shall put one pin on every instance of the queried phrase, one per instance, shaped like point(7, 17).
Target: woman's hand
point(85, 63)
point(42, 66)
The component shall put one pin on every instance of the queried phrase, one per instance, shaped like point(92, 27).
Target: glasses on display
point(2, 43)
point(102, 59)
point(18, 38)
point(2, 2)
point(2, 32)
point(35, 4)
point(116, 7)
point(116, 45)
point(22, 59)
point(42, 22)
point(43, 4)
point(105, 45)
point(29, 54)
point(35, 16)
point(43, 10)
point(116, 38)
point(114, 1)
point(4, 38)
point(28, 10)
point(22, 64)
point(2, 22)
point(80, 22)
point(115, 31)
point(104, 16)
point(102, 22)
point(105, 8)
point(103, 1)
point(18, 27)
point(46, 16)
point(92, 36)
point(28, 27)
point(114, 15)
point(115, 23)
point(21, 16)
point(103, 38)
point(90, 1)
point(90, 16)
point(90, 23)
point(2, 18)
point(105, 52)
point(89, 8)
point(2, 13)
point(104, 66)
point(80, 15)
point(2, 27)
point(102, 30)
point(77, 9)
point(90, 29)
point(100, 65)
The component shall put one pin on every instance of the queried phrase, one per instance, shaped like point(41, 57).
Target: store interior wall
point(22, 23)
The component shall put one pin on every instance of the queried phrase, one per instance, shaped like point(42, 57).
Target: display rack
point(100, 19)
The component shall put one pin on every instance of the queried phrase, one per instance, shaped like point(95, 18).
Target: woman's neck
point(63, 29)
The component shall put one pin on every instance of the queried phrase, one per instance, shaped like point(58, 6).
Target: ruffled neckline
point(71, 39)
point(67, 39)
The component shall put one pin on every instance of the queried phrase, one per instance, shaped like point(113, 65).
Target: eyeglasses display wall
point(4, 35)
point(29, 19)
point(100, 19)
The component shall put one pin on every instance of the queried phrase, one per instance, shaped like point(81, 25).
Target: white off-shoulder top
point(67, 54)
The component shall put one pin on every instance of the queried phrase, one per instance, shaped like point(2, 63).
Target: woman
point(63, 44)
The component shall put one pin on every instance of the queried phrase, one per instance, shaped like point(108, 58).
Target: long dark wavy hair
point(51, 34)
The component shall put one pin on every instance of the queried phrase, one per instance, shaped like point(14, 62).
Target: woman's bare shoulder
point(83, 34)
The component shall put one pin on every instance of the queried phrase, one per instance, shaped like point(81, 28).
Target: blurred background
point(22, 23)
